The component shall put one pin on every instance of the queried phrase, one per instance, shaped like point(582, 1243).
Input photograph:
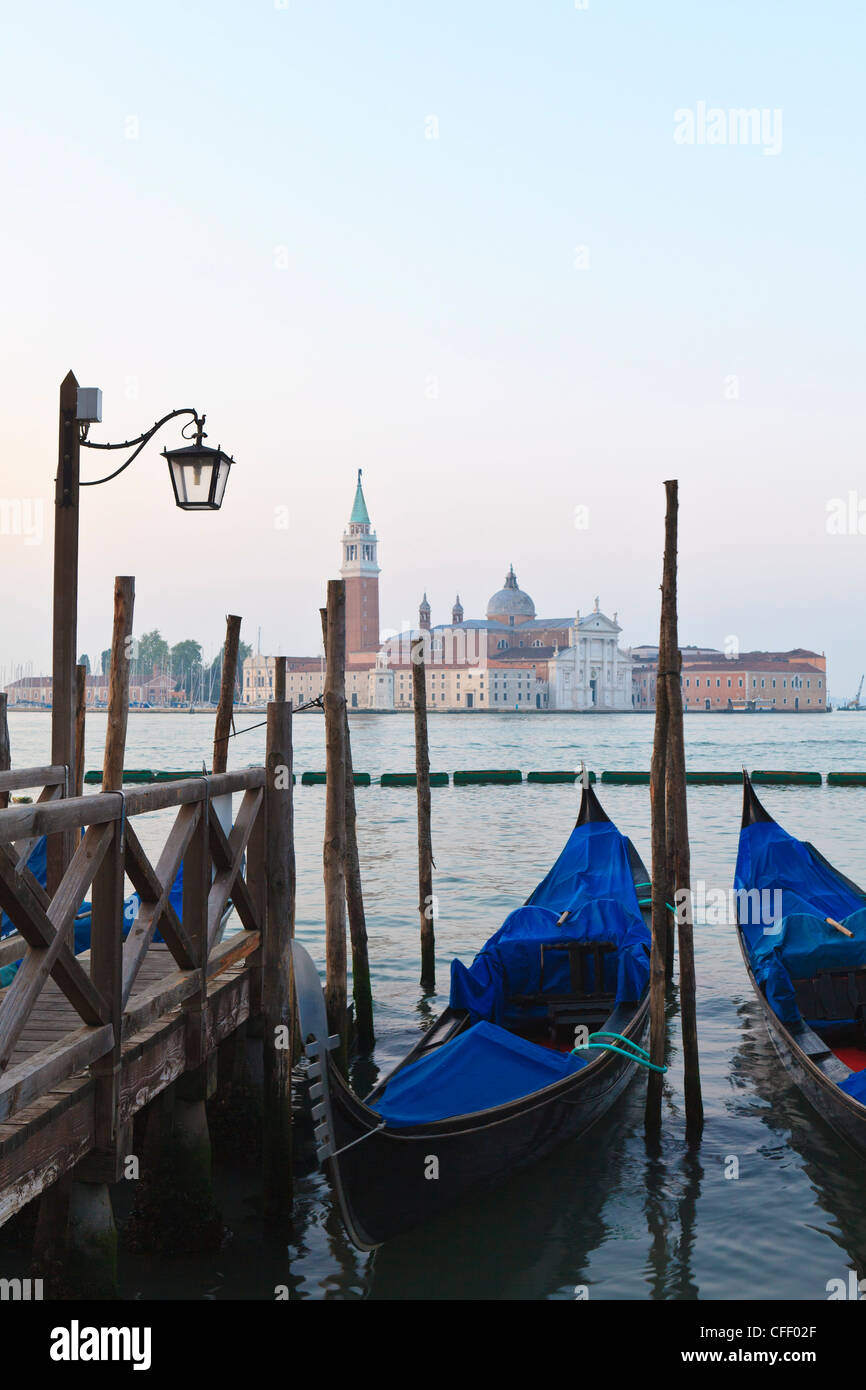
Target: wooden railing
point(100, 986)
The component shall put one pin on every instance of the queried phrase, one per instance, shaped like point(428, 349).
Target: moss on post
point(174, 1211)
point(91, 1249)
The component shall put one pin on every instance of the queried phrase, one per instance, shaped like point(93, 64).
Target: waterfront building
point(159, 690)
point(793, 682)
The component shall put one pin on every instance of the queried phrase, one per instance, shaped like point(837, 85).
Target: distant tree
point(186, 663)
point(105, 661)
point(84, 661)
point(152, 650)
point(186, 653)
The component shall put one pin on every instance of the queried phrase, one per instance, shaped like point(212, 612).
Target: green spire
point(359, 509)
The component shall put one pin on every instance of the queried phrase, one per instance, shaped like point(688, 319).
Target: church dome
point(510, 602)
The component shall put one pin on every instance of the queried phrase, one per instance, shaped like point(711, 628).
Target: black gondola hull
point(841, 1111)
point(392, 1180)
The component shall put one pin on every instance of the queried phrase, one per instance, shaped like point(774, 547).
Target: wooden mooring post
point(280, 679)
point(671, 882)
point(677, 826)
point(223, 724)
point(334, 849)
point(425, 844)
point(277, 975)
point(659, 891)
point(362, 991)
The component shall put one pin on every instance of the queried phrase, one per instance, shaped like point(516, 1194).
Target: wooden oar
point(838, 926)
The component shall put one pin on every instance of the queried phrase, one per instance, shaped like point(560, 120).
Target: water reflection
point(833, 1168)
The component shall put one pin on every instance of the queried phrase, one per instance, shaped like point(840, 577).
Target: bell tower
point(360, 569)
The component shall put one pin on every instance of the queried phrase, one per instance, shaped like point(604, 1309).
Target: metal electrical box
point(89, 406)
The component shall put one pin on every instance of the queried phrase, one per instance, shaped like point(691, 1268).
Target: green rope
point(647, 902)
point(640, 1055)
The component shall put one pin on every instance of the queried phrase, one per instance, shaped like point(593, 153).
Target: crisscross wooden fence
point(87, 1040)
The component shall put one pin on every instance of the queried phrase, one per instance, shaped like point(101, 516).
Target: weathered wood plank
point(149, 913)
point(245, 902)
point(24, 848)
point(49, 1065)
point(157, 999)
point(224, 882)
point(44, 931)
point(151, 1061)
point(43, 1155)
point(240, 946)
point(147, 885)
point(17, 779)
point(196, 882)
point(73, 812)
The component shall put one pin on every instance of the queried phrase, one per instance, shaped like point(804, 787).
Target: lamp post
point(198, 477)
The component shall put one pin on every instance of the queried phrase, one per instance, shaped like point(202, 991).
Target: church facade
point(511, 659)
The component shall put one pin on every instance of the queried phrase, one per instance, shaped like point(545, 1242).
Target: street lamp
point(198, 473)
point(198, 476)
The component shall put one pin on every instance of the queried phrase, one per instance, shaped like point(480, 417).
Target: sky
point(517, 261)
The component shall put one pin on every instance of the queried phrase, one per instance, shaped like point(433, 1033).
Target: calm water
point(599, 1212)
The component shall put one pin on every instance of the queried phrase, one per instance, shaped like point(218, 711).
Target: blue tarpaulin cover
point(591, 880)
point(487, 1066)
point(855, 1086)
point(794, 942)
point(483, 1067)
point(38, 867)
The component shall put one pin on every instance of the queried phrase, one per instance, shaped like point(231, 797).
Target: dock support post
point(106, 940)
point(277, 977)
point(334, 851)
point(77, 782)
point(91, 1255)
point(5, 750)
point(174, 1211)
point(676, 814)
point(425, 845)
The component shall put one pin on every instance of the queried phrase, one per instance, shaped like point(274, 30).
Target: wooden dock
point(87, 1041)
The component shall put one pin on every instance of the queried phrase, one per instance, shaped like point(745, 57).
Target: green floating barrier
point(408, 779)
point(141, 774)
point(506, 776)
point(632, 779)
point(846, 779)
point(318, 779)
point(714, 779)
point(780, 779)
point(556, 776)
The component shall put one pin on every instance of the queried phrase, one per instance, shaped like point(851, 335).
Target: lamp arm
point(141, 441)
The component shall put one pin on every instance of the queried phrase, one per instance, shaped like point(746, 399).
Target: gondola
point(494, 1084)
point(801, 925)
